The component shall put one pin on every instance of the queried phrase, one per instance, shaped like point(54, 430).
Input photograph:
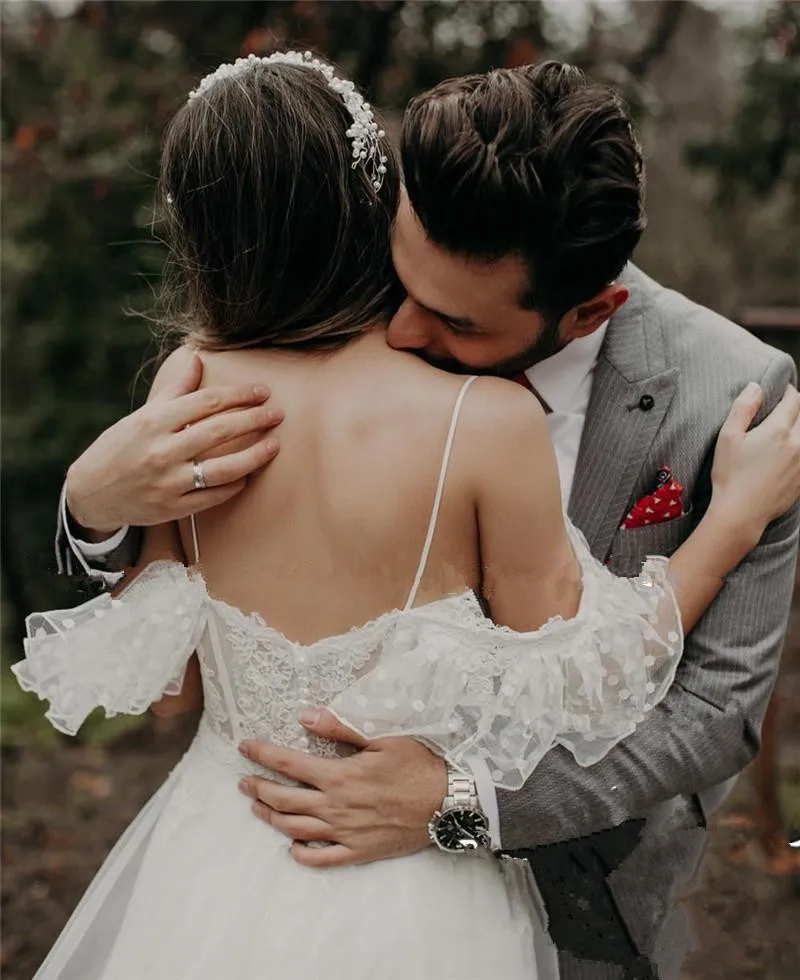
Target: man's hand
point(139, 471)
point(372, 805)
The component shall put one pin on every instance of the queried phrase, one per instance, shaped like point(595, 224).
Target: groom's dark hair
point(538, 162)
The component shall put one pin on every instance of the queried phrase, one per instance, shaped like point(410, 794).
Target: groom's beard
point(549, 342)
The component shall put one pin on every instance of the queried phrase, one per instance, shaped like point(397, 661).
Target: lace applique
point(272, 677)
point(213, 701)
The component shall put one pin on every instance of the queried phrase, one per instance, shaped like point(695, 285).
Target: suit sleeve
point(102, 562)
point(706, 730)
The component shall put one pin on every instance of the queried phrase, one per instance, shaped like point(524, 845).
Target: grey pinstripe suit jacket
point(612, 847)
point(634, 824)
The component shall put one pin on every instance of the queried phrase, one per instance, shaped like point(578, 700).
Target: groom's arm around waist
point(707, 728)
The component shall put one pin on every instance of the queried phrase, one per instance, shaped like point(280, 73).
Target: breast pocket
point(630, 547)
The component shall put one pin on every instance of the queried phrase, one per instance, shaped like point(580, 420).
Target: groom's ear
point(588, 317)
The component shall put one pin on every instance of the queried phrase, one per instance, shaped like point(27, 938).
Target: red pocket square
point(665, 503)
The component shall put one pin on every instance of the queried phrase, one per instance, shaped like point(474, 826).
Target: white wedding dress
point(199, 889)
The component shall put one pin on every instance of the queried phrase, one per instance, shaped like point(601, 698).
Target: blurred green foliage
point(760, 148)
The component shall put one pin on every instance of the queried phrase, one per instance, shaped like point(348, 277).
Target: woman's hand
point(139, 471)
point(756, 478)
point(756, 472)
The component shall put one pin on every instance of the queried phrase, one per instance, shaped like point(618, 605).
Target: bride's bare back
point(330, 534)
point(281, 251)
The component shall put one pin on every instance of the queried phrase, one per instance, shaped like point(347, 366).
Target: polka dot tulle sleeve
point(118, 654)
point(471, 689)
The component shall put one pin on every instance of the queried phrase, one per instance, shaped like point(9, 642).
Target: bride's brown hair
point(275, 239)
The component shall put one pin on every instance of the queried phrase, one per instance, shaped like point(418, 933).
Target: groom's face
point(463, 314)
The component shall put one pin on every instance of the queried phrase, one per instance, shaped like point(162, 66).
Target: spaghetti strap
point(437, 501)
point(195, 543)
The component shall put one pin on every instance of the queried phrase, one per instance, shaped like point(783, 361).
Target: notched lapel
point(632, 391)
point(615, 444)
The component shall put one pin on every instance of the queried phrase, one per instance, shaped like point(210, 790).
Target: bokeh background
point(86, 90)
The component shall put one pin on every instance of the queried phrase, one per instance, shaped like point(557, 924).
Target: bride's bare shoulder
point(496, 408)
point(505, 427)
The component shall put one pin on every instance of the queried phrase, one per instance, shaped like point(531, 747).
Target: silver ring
point(199, 476)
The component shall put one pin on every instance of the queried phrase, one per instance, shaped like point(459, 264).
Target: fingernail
point(244, 750)
point(310, 716)
point(261, 391)
point(243, 785)
point(752, 388)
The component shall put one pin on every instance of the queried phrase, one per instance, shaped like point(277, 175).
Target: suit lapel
point(632, 391)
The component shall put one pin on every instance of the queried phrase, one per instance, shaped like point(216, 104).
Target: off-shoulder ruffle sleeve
point(120, 654)
point(472, 689)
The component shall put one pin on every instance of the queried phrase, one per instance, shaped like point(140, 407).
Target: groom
point(537, 164)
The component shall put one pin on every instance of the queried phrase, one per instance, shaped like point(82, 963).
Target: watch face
point(461, 829)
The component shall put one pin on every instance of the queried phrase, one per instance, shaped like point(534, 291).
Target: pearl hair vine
point(364, 132)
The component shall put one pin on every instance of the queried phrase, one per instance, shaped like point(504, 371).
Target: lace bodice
point(256, 680)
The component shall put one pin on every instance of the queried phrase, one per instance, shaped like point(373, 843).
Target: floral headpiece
point(364, 132)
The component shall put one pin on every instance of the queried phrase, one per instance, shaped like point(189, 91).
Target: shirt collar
point(560, 378)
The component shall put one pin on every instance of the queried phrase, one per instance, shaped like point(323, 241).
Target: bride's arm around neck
point(162, 543)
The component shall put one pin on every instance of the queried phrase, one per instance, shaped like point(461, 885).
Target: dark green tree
point(759, 152)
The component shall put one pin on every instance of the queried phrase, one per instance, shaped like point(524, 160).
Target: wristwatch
point(460, 825)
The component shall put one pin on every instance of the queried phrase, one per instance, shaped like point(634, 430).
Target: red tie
point(522, 379)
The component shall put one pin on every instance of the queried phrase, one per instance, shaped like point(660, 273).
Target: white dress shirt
point(564, 383)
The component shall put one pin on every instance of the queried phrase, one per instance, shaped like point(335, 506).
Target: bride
point(421, 578)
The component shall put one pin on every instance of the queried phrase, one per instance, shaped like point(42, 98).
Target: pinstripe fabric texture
point(614, 895)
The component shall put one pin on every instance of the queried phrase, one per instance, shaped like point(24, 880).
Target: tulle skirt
point(199, 889)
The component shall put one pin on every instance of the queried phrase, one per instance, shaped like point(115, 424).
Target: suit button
point(646, 402)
